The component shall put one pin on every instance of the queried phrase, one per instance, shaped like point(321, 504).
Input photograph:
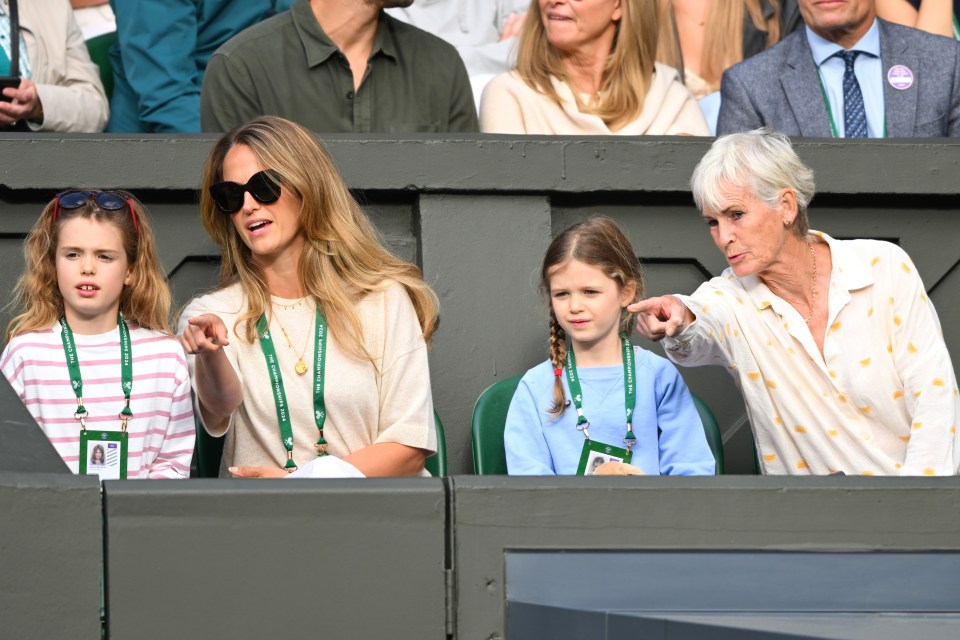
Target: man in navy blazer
point(782, 88)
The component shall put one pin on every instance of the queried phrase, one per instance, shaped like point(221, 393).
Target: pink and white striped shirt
point(162, 429)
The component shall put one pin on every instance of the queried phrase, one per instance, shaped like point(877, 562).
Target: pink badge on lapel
point(900, 77)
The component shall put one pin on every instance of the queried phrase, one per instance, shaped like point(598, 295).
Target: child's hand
point(258, 472)
point(617, 469)
point(204, 333)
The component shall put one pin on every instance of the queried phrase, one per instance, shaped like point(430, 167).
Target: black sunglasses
point(262, 185)
point(109, 200)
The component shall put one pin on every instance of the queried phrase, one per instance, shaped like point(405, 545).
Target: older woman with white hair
point(834, 343)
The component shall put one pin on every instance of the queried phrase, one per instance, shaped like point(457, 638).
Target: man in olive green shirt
point(337, 66)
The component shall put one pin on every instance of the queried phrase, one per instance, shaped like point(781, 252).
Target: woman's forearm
point(217, 384)
point(388, 459)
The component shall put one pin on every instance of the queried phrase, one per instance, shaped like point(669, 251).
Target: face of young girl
point(92, 270)
point(587, 305)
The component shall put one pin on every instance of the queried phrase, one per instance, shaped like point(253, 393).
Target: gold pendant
point(301, 367)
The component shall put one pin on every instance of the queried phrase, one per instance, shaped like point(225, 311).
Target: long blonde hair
point(343, 259)
point(600, 243)
point(723, 35)
point(145, 301)
point(627, 73)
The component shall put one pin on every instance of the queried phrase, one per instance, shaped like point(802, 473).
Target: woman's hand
point(258, 472)
point(661, 317)
point(23, 104)
point(617, 469)
point(204, 334)
point(215, 381)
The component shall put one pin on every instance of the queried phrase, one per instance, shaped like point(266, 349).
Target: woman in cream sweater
point(586, 67)
point(313, 349)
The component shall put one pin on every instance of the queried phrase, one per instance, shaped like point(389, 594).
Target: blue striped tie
point(854, 115)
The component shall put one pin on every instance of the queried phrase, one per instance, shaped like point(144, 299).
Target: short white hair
point(764, 162)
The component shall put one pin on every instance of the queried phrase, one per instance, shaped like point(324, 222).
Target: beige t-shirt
point(364, 405)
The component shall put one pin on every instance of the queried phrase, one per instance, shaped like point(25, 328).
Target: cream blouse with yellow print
point(883, 398)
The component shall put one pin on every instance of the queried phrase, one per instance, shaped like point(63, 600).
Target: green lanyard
point(629, 390)
point(280, 396)
point(76, 380)
point(833, 126)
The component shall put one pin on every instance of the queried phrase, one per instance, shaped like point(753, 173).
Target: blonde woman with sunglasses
point(313, 348)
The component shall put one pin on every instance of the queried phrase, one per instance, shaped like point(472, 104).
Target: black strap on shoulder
point(14, 39)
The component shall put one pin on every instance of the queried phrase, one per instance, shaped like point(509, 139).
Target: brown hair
point(723, 36)
point(600, 243)
point(343, 259)
point(626, 75)
point(145, 301)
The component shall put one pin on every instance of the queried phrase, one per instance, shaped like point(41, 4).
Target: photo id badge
point(596, 453)
point(104, 453)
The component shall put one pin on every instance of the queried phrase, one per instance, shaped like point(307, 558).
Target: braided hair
point(558, 356)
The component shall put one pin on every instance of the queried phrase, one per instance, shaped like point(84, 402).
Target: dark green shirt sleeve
point(463, 109)
point(228, 97)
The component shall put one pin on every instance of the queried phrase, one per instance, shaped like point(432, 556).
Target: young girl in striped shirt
point(89, 353)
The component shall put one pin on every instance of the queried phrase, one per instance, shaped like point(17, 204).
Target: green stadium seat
point(99, 48)
point(437, 463)
point(207, 452)
point(712, 431)
point(486, 429)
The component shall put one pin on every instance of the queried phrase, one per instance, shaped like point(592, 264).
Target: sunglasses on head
point(263, 186)
point(107, 200)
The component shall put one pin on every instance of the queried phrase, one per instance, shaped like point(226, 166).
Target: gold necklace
point(813, 282)
point(295, 305)
point(301, 366)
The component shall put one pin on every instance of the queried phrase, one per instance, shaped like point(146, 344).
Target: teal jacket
point(162, 50)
